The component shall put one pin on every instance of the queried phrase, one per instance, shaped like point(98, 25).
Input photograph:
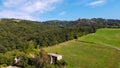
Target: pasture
point(90, 51)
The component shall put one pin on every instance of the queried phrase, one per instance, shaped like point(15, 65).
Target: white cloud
point(39, 6)
point(18, 15)
point(97, 3)
point(25, 9)
point(13, 3)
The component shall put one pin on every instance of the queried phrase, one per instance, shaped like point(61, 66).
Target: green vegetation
point(105, 36)
point(88, 52)
point(27, 36)
point(18, 34)
point(23, 39)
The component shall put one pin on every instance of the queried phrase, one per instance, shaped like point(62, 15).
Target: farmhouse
point(54, 57)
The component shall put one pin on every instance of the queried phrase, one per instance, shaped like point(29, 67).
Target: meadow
point(104, 36)
point(90, 51)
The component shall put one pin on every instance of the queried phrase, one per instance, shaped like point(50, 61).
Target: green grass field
point(106, 36)
point(90, 51)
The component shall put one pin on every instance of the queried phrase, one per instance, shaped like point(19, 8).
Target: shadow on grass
point(87, 42)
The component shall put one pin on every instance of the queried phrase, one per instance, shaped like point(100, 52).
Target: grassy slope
point(107, 36)
point(88, 53)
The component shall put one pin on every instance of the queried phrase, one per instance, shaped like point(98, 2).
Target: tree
point(41, 60)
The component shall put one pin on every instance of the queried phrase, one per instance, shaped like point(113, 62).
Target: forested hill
point(17, 34)
point(98, 22)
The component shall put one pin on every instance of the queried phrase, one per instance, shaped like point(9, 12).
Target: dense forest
point(17, 37)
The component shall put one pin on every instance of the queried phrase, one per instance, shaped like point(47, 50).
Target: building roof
point(55, 55)
point(12, 67)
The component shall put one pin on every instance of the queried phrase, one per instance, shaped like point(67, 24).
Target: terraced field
point(99, 50)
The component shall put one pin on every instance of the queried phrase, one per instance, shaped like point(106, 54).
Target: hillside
point(90, 51)
point(24, 38)
point(17, 34)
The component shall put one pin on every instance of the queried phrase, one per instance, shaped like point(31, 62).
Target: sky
point(42, 10)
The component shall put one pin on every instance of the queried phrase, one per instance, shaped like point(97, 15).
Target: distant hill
point(98, 22)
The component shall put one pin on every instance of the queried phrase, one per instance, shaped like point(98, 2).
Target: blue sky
point(42, 10)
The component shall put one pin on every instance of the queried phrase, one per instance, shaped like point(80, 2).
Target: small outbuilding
point(12, 67)
point(54, 57)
